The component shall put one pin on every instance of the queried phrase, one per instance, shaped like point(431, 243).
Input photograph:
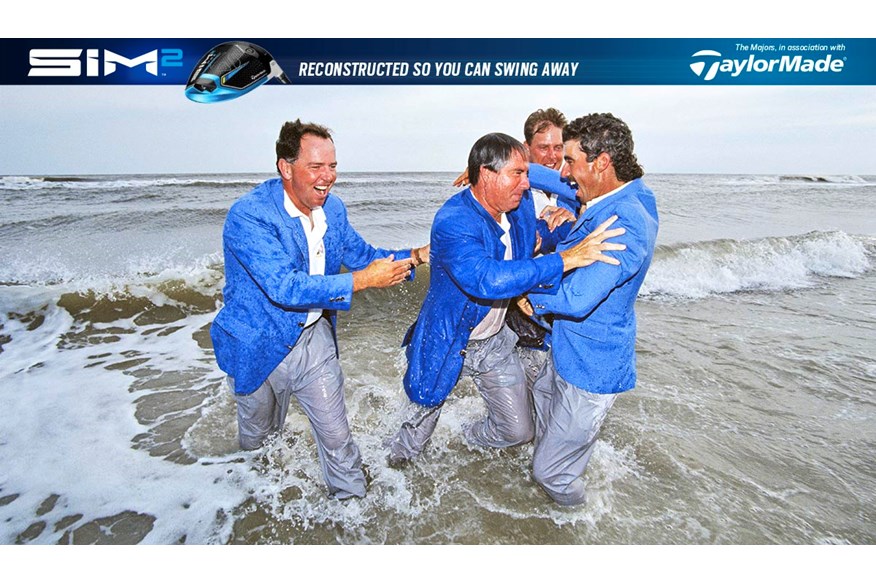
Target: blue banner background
point(600, 61)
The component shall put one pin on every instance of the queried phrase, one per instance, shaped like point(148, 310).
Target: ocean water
point(754, 420)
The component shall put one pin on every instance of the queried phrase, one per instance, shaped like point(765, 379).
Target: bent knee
point(337, 440)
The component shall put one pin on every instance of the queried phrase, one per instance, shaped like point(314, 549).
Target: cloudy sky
point(699, 129)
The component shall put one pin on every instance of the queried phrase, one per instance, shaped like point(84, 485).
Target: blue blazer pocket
point(236, 328)
point(593, 331)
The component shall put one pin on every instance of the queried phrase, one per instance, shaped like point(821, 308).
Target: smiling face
point(307, 181)
point(546, 147)
point(584, 173)
point(594, 177)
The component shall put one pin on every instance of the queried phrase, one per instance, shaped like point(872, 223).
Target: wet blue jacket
point(547, 179)
point(268, 289)
point(594, 330)
point(468, 273)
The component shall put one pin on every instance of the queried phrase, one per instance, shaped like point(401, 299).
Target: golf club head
point(230, 70)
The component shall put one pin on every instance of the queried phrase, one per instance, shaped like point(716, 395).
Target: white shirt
point(494, 320)
point(589, 204)
point(316, 250)
point(541, 200)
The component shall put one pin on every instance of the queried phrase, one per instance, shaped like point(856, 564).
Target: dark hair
point(289, 142)
point(492, 151)
point(541, 120)
point(598, 133)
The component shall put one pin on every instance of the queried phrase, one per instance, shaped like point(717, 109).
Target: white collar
point(601, 198)
point(317, 216)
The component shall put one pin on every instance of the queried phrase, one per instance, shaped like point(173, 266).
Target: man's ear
point(283, 166)
point(603, 161)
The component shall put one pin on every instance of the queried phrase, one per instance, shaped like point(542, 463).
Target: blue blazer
point(594, 330)
point(468, 273)
point(547, 179)
point(268, 289)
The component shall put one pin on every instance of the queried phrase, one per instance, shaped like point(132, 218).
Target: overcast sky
point(142, 129)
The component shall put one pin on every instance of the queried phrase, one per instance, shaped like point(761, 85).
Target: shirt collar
point(504, 223)
point(591, 203)
point(318, 215)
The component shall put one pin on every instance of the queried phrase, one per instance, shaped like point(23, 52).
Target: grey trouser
point(312, 374)
point(532, 360)
point(498, 375)
point(567, 421)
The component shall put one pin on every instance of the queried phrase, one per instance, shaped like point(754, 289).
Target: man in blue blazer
point(482, 245)
point(285, 243)
point(594, 329)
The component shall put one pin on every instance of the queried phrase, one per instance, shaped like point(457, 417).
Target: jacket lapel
point(332, 240)
point(292, 224)
point(492, 229)
point(586, 220)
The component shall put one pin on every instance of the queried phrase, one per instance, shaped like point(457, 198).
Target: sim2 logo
point(69, 62)
point(710, 63)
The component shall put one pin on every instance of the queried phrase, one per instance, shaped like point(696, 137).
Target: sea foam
point(697, 270)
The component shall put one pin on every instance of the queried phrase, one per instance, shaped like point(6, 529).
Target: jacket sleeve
point(585, 288)
point(551, 239)
point(461, 249)
point(546, 179)
point(255, 244)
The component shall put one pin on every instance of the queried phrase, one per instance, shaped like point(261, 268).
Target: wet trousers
point(532, 360)
point(495, 368)
point(567, 422)
point(312, 374)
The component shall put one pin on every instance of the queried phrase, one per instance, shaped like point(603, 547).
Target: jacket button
point(300, 325)
point(462, 352)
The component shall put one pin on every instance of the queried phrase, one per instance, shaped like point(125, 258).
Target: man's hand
point(382, 273)
point(590, 250)
point(556, 216)
point(461, 180)
point(524, 305)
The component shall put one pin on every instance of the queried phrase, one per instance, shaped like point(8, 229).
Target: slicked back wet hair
point(598, 133)
point(492, 151)
point(540, 120)
point(289, 142)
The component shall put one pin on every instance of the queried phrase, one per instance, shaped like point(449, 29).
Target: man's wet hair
point(598, 133)
point(492, 151)
point(289, 142)
point(540, 120)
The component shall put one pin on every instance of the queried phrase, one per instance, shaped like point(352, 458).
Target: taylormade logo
point(710, 63)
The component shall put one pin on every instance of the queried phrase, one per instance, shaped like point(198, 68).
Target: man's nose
point(525, 184)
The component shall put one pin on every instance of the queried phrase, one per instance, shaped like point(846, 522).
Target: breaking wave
point(723, 266)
